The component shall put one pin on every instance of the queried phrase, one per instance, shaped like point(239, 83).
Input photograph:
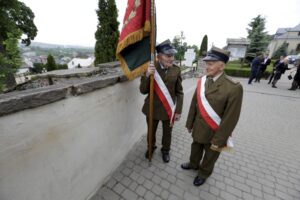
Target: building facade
point(81, 62)
point(289, 35)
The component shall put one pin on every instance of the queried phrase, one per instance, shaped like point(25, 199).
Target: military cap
point(166, 48)
point(217, 54)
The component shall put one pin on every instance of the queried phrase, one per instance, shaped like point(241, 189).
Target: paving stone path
point(265, 163)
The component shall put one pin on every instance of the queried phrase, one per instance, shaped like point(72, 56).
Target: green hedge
point(237, 70)
point(241, 72)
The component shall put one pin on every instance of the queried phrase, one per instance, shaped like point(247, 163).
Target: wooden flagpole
point(152, 46)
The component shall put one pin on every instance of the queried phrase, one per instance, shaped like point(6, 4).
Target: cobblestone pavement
point(265, 163)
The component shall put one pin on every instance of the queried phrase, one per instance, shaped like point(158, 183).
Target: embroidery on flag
point(133, 49)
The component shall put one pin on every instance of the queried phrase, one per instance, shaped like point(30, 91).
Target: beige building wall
point(290, 37)
point(293, 43)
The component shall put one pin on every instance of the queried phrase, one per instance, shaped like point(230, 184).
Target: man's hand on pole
point(150, 70)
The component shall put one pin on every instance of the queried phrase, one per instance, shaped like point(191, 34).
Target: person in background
point(255, 65)
point(213, 115)
point(296, 81)
point(170, 76)
point(280, 69)
point(274, 68)
point(262, 68)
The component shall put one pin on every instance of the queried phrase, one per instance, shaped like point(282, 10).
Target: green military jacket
point(172, 79)
point(225, 97)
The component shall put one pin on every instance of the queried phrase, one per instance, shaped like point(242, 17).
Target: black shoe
point(147, 154)
point(198, 181)
point(273, 86)
point(187, 166)
point(165, 157)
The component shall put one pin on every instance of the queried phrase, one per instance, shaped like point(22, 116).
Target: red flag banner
point(133, 50)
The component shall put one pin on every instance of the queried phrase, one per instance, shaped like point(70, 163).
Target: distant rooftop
point(240, 41)
point(281, 31)
point(296, 28)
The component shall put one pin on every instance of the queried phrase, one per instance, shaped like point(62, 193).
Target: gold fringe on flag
point(127, 41)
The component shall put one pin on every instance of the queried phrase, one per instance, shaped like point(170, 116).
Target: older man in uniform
point(213, 115)
point(168, 95)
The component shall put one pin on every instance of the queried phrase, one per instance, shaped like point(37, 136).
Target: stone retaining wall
point(63, 141)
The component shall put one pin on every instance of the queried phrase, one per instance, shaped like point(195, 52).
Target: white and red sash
point(164, 96)
point(207, 112)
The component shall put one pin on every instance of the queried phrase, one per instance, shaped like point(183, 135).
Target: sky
point(74, 22)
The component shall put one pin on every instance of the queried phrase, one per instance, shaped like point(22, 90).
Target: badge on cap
point(166, 48)
point(217, 54)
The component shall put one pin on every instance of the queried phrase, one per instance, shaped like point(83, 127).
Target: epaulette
point(231, 80)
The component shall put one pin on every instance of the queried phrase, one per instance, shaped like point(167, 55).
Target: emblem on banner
point(132, 14)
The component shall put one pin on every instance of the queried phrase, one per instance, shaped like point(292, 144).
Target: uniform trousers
point(166, 134)
point(208, 156)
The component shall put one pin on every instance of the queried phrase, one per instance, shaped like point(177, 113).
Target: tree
point(15, 19)
point(10, 61)
point(281, 51)
point(180, 46)
point(107, 33)
point(259, 38)
point(50, 65)
point(38, 67)
point(203, 47)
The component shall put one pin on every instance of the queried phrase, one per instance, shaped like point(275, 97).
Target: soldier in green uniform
point(171, 77)
point(213, 115)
